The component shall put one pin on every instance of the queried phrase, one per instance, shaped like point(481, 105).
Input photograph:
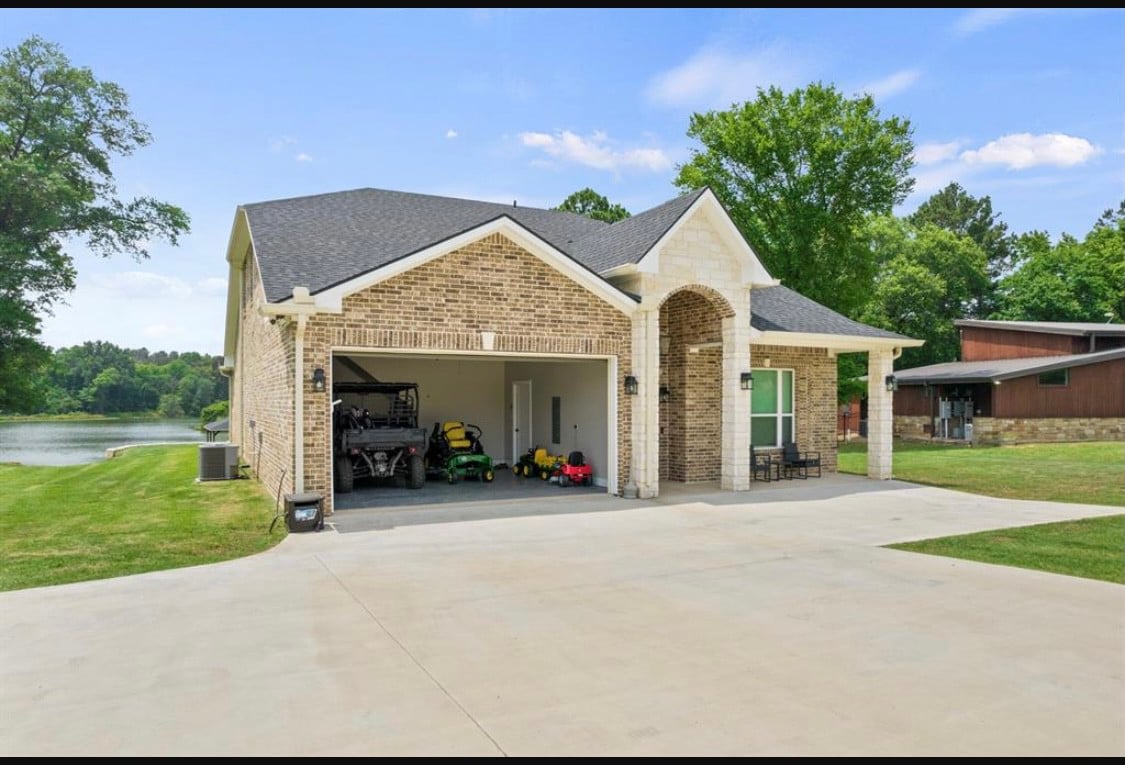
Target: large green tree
point(593, 205)
point(928, 277)
point(60, 127)
point(958, 211)
point(800, 172)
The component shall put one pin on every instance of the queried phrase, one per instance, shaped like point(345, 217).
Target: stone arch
point(717, 299)
point(692, 321)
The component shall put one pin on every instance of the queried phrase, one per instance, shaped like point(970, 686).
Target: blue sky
point(1023, 105)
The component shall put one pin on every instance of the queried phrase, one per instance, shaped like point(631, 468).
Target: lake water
point(74, 443)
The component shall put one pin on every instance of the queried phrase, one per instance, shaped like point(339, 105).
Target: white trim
point(516, 453)
point(612, 423)
point(237, 247)
point(331, 300)
point(753, 272)
point(843, 343)
point(612, 414)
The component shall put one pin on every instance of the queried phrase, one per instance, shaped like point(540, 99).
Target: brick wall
point(911, 427)
point(261, 389)
point(1023, 430)
point(491, 285)
point(691, 420)
point(814, 374)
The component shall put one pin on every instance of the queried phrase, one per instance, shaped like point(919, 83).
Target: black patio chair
point(763, 465)
point(795, 461)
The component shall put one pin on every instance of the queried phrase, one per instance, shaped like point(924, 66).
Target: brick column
point(736, 402)
point(880, 419)
point(646, 404)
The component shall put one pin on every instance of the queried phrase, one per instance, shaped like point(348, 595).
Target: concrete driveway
point(770, 623)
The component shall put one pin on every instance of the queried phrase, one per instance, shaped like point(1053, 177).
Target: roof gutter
point(300, 308)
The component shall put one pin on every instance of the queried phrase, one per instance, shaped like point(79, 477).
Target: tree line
point(102, 378)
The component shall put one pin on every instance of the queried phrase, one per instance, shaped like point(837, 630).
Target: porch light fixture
point(630, 385)
point(665, 344)
point(318, 379)
point(747, 381)
point(665, 394)
point(892, 383)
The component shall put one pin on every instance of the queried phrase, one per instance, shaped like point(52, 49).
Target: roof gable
point(332, 298)
point(325, 240)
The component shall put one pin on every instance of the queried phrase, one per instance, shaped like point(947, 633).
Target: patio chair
point(793, 460)
point(763, 465)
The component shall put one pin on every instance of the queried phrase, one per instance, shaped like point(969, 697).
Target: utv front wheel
point(345, 477)
point(417, 472)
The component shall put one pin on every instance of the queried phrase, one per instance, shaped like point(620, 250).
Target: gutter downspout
point(299, 406)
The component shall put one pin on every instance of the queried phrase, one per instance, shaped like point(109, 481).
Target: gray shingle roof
point(320, 241)
point(627, 241)
point(1000, 369)
point(1077, 328)
point(780, 309)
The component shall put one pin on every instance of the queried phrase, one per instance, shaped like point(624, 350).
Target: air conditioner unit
point(218, 462)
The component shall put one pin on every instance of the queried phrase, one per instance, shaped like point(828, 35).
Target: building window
point(771, 407)
point(556, 419)
point(1056, 378)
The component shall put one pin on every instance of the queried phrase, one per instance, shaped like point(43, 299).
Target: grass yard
point(142, 511)
point(1089, 473)
point(1093, 547)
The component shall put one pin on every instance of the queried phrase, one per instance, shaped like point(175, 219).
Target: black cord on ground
point(277, 511)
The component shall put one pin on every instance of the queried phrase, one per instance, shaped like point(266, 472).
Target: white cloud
point(277, 145)
point(139, 285)
point(596, 151)
point(932, 153)
point(302, 157)
point(451, 133)
point(892, 84)
point(980, 19)
point(1019, 151)
point(213, 285)
point(718, 78)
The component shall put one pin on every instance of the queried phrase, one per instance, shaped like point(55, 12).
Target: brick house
point(1020, 382)
point(630, 341)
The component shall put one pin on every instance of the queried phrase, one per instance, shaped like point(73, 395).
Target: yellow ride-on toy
point(538, 461)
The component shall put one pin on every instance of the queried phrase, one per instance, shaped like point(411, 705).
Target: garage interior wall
point(581, 386)
point(467, 390)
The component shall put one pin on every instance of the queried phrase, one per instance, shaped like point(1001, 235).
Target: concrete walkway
point(770, 623)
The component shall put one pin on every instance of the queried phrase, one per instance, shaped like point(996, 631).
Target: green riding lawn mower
point(456, 452)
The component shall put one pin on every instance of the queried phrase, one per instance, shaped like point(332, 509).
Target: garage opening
point(508, 405)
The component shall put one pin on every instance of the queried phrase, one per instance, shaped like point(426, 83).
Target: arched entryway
point(691, 384)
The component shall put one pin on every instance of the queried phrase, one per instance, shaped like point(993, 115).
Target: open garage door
point(516, 402)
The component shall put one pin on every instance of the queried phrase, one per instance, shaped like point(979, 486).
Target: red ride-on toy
point(575, 471)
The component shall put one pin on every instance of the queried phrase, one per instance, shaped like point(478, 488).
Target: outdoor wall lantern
point(747, 381)
point(892, 383)
point(630, 385)
point(665, 394)
point(665, 344)
point(318, 379)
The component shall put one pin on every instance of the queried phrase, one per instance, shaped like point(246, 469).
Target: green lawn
point(1093, 547)
point(142, 511)
point(1090, 473)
